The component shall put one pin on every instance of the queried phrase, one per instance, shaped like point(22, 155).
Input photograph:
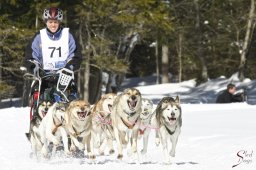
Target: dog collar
point(130, 114)
point(169, 131)
point(150, 116)
point(100, 113)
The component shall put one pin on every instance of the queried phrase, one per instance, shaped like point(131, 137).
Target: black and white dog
point(167, 117)
point(32, 136)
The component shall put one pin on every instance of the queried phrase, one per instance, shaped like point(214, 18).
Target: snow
point(211, 136)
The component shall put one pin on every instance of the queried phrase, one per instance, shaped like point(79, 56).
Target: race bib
point(55, 52)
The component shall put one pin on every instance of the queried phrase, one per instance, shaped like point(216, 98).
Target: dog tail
point(28, 135)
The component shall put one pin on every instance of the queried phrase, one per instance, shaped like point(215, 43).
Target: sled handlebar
point(39, 73)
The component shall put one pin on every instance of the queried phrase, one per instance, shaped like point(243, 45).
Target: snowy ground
point(212, 136)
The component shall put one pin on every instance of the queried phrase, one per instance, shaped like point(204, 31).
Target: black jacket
point(227, 97)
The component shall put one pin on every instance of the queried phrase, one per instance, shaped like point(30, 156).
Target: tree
point(247, 39)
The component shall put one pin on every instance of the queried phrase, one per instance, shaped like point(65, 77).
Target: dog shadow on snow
point(185, 163)
point(173, 163)
point(106, 161)
point(79, 155)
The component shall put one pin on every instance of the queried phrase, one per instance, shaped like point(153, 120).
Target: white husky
point(101, 123)
point(51, 129)
point(145, 126)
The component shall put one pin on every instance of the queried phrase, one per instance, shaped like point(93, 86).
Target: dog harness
point(103, 119)
point(129, 125)
point(56, 126)
point(76, 134)
point(169, 131)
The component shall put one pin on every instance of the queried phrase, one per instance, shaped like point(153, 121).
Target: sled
point(63, 76)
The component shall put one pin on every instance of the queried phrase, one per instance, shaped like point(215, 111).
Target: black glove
point(69, 66)
point(32, 65)
point(73, 64)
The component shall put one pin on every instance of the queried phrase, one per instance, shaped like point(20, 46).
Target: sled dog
point(168, 118)
point(34, 124)
point(52, 129)
point(43, 108)
point(79, 124)
point(101, 123)
point(145, 126)
point(126, 118)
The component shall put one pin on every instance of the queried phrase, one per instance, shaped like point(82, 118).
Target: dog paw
point(111, 151)
point(172, 153)
point(67, 152)
point(97, 144)
point(157, 141)
point(124, 146)
point(80, 146)
point(31, 155)
point(45, 154)
point(125, 142)
point(167, 162)
point(101, 153)
point(129, 152)
point(120, 156)
point(143, 152)
point(44, 151)
point(72, 148)
point(92, 156)
point(55, 142)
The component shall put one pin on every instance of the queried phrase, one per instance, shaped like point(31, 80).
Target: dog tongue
point(81, 114)
point(171, 118)
point(133, 103)
point(110, 107)
point(44, 113)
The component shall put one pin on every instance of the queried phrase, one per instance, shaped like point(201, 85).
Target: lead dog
point(101, 123)
point(126, 118)
point(79, 125)
point(167, 117)
point(43, 108)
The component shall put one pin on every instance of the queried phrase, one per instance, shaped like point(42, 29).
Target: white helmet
point(53, 13)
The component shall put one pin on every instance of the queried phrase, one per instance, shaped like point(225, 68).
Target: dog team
point(123, 118)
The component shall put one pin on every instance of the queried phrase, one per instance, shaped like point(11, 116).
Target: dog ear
point(177, 100)
point(63, 120)
point(138, 92)
point(65, 104)
point(28, 135)
point(158, 111)
point(126, 91)
point(104, 96)
point(151, 102)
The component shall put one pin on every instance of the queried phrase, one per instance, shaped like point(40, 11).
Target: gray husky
point(145, 127)
point(167, 117)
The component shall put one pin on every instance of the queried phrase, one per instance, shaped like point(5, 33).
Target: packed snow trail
point(212, 135)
